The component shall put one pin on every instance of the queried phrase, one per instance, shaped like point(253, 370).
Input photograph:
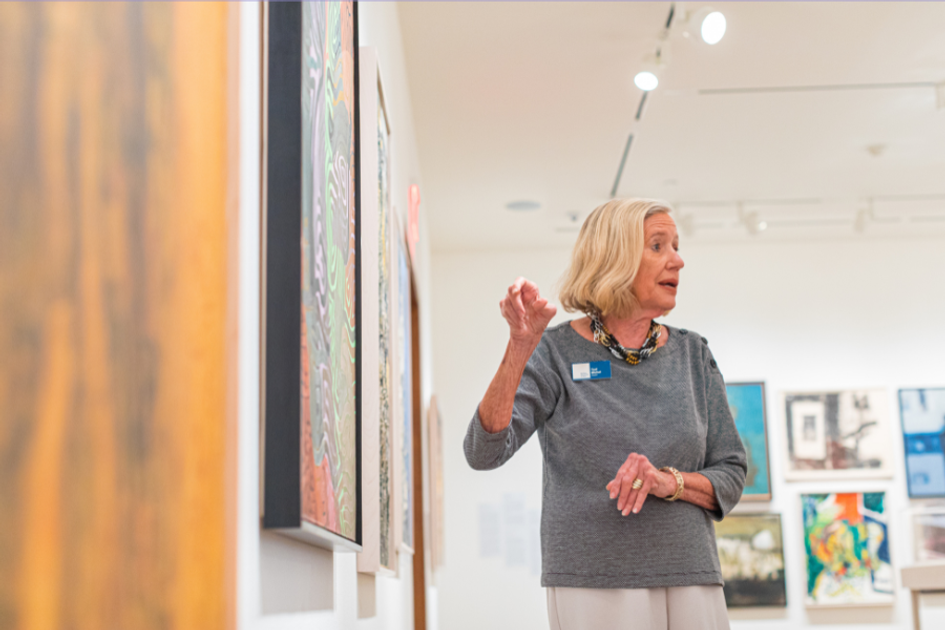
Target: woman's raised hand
point(526, 312)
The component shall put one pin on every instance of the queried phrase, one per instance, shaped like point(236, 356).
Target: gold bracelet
point(679, 482)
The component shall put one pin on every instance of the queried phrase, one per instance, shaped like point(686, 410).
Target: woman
point(639, 446)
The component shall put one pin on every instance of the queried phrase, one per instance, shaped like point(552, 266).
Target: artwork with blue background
point(747, 402)
point(923, 430)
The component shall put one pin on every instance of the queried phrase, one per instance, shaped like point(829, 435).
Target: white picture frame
point(377, 223)
point(834, 435)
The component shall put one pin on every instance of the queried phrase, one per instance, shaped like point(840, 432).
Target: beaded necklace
point(631, 356)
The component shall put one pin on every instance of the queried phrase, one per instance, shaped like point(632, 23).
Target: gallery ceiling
point(810, 119)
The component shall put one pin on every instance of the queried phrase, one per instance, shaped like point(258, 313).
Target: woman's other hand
point(526, 312)
point(630, 499)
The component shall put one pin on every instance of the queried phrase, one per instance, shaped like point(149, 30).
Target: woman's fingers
point(515, 297)
point(529, 293)
point(626, 485)
point(643, 494)
point(630, 499)
point(527, 313)
point(614, 485)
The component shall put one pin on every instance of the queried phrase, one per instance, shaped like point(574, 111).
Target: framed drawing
point(837, 435)
point(923, 430)
point(846, 542)
point(747, 402)
point(928, 526)
point(751, 552)
point(312, 298)
point(404, 396)
point(379, 432)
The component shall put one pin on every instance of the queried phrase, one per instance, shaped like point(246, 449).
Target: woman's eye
point(656, 247)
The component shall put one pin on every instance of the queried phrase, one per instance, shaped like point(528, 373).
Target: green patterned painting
point(329, 462)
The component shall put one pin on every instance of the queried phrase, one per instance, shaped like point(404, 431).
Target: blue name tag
point(593, 371)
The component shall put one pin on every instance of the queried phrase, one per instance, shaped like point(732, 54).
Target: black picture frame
point(281, 468)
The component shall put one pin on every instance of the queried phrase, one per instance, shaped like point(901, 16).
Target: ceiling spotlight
point(754, 224)
point(646, 81)
point(709, 22)
point(713, 28)
point(752, 221)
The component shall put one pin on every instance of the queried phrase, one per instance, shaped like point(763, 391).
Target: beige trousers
point(676, 608)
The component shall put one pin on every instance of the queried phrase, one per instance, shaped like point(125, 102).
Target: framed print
point(928, 526)
point(312, 262)
point(379, 447)
point(837, 435)
point(923, 431)
point(846, 545)
point(751, 552)
point(404, 396)
point(747, 402)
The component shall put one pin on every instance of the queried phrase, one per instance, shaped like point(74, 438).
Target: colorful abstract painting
point(923, 430)
point(328, 343)
point(386, 358)
point(929, 534)
point(747, 402)
point(406, 388)
point(837, 435)
point(751, 553)
point(846, 539)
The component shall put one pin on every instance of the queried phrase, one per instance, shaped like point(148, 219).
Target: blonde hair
point(606, 258)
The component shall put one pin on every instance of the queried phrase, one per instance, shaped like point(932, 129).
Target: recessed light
point(524, 205)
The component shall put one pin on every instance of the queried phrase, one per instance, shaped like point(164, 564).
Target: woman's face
point(658, 278)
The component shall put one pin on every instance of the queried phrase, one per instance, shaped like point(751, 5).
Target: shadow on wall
point(294, 576)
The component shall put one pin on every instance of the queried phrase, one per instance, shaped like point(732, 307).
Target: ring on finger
point(637, 484)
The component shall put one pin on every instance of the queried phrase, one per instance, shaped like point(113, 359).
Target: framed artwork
point(747, 402)
point(837, 435)
point(751, 552)
point(928, 527)
point(846, 543)
point(118, 435)
point(437, 490)
point(312, 262)
point(379, 447)
point(923, 431)
point(405, 396)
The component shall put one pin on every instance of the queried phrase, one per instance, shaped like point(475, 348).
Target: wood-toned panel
point(115, 485)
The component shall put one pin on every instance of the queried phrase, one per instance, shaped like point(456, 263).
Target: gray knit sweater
point(672, 408)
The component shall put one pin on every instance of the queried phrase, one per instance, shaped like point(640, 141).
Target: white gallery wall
point(282, 584)
point(807, 314)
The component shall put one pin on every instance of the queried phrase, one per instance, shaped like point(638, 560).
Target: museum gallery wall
point(338, 467)
point(831, 437)
point(116, 199)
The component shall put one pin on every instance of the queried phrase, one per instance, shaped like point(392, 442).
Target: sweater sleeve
point(535, 401)
point(725, 461)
